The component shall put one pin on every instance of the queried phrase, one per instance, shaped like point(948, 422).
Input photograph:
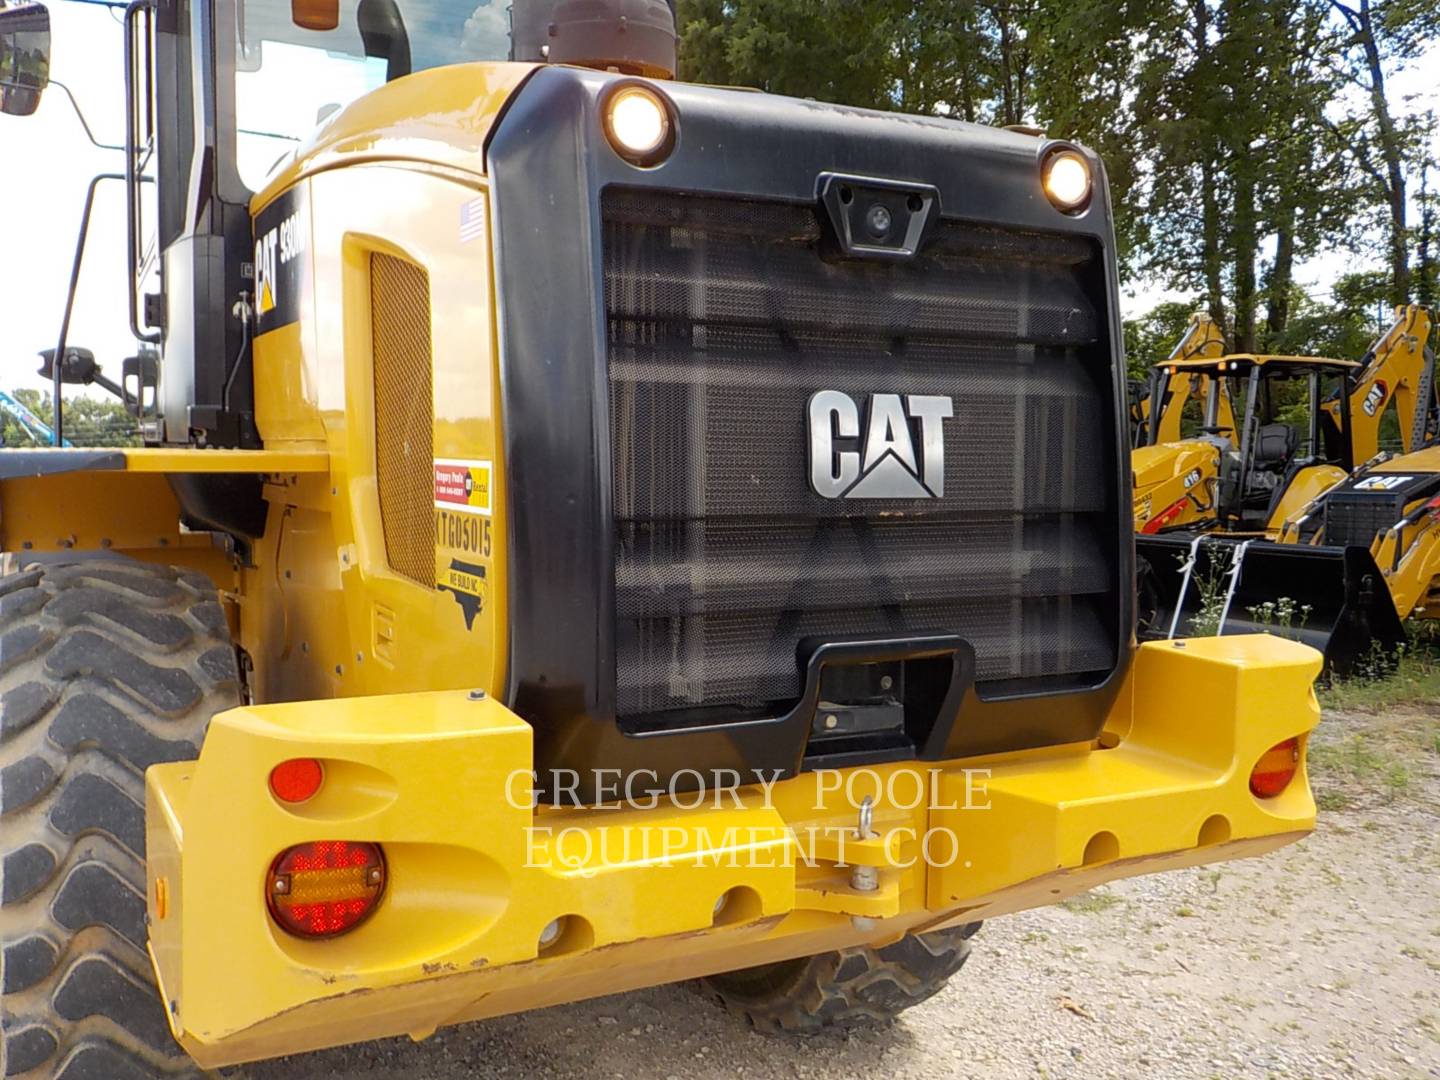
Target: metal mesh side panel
point(1357, 518)
point(404, 414)
point(722, 318)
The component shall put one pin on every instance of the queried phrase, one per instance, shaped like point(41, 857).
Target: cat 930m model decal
point(282, 259)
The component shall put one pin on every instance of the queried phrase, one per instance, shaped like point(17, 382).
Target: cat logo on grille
point(1382, 483)
point(899, 452)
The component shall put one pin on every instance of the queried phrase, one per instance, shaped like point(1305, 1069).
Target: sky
point(48, 164)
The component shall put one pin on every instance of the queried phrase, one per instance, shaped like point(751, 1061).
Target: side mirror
point(24, 57)
point(78, 368)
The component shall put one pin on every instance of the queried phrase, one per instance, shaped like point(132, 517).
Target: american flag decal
point(472, 220)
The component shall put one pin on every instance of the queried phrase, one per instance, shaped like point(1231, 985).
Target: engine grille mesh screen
point(1356, 519)
point(722, 320)
point(404, 414)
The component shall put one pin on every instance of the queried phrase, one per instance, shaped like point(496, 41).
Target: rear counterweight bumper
point(693, 884)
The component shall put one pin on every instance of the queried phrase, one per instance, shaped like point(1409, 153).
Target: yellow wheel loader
point(592, 532)
point(1209, 506)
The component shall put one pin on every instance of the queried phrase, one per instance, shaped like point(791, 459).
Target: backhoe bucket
point(1331, 598)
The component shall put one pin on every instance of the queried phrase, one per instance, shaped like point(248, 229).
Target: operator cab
point(202, 138)
point(1268, 418)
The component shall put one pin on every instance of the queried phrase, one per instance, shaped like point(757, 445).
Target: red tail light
point(1275, 769)
point(325, 888)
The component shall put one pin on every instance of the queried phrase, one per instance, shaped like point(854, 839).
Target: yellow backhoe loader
point(1183, 395)
point(1391, 504)
point(1391, 507)
point(592, 531)
point(1305, 424)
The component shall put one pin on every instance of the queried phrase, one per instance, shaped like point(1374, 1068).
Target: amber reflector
point(326, 887)
point(1275, 769)
point(296, 780)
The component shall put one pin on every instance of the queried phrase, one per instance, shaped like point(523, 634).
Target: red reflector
point(326, 887)
point(1163, 518)
point(1275, 769)
point(296, 780)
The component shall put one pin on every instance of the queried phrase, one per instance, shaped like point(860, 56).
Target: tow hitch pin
point(866, 878)
point(867, 818)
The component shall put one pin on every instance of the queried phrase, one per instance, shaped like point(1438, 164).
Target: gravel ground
point(1320, 960)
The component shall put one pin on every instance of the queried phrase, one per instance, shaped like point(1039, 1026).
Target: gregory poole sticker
point(463, 485)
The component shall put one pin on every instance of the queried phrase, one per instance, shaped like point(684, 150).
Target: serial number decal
point(463, 485)
point(462, 547)
point(462, 532)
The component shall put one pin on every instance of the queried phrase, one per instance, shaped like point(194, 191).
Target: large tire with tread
point(847, 987)
point(107, 666)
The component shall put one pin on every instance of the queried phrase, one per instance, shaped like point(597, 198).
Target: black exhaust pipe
point(636, 37)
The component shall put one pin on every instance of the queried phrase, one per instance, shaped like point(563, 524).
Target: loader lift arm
point(1392, 507)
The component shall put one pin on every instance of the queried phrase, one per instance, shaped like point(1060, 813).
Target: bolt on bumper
point(493, 906)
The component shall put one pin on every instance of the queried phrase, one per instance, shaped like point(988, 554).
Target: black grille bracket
point(935, 674)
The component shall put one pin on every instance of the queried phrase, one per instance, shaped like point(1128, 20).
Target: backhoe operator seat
point(1275, 446)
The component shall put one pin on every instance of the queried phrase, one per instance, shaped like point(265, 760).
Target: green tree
point(1151, 337)
point(945, 59)
point(1210, 114)
point(89, 421)
point(1084, 86)
point(1426, 288)
point(1230, 156)
point(833, 50)
point(1343, 328)
point(1386, 143)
